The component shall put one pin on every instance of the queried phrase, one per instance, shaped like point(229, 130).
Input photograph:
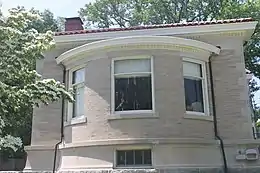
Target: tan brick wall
point(169, 104)
point(47, 119)
point(231, 93)
point(230, 90)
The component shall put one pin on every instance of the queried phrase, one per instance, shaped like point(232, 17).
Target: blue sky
point(63, 8)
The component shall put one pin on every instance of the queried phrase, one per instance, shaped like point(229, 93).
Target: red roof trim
point(155, 26)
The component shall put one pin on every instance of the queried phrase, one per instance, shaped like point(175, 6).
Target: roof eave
point(247, 27)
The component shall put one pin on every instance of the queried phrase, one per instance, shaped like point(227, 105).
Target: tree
point(21, 87)
point(47, 22)
point(124, 13)
point(20, 125)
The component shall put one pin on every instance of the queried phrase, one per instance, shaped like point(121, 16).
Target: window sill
point(76, 120)
point(133, 115)
point(198, 116)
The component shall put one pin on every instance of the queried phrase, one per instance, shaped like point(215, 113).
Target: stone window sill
point(198, 117)
point(132, 115)
point(76, 120)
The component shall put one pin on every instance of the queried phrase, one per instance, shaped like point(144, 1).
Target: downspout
point(225, 167)
point(62, 123)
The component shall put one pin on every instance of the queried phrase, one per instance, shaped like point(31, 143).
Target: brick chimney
point(73, 24)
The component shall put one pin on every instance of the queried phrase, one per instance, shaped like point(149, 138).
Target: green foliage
point(20, 124)
point(21, 87)
point(8, 141)
point(46, 23)
point(123, 13)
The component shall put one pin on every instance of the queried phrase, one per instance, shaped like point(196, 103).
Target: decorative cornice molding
point(181, 48)
point(238, 33)
point(139, 42)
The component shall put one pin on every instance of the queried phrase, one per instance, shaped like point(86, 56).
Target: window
point(194, 85)
point(78, 81)
point(132, 85)
point(126, 158)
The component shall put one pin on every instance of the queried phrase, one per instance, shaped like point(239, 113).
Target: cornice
point(231, 29)
point(240, 33)
point(136, 43)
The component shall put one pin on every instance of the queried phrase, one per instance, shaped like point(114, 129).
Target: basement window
point(132, 85)
point(137, 158)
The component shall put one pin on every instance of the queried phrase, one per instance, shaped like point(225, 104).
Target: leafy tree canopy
point(21, 87)
point(123, 13)
point(47, 21)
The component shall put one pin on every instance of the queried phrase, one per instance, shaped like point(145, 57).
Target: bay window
point(132, 79)
point(195, 86)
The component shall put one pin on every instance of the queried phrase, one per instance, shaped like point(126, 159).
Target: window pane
point(78, 107)
point(133, 93)
point(192, 69)
point(193, 94)
point(129, 157)
point(147, 157)
point(120, 158)
point(78, 76)
point(139, 157)
point(132, 65)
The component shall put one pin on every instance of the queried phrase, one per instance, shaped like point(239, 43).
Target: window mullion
point(134, 157)
point(125, 157)
point(142, 156)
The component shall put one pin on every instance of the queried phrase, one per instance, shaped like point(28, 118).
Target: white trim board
point(182, 30)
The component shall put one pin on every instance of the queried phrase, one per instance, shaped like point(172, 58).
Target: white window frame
point(70, 118)
point(204, 87)
point(135, 147)
point(113, 85)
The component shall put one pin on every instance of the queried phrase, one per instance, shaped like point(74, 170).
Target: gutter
point(62, 123)
point(225, 166)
